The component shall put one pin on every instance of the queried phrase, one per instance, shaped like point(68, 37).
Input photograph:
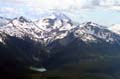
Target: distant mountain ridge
point(54, 27)
point(55, 40)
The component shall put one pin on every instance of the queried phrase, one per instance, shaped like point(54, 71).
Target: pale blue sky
point(105, 12)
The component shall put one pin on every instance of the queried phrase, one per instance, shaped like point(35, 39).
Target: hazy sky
point(104, 12)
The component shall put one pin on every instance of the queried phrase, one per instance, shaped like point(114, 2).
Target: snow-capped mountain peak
point(56, 26)
point(97, 31)
point(87, 24)
point(55, 21)
point(23, 19)
point(45, 29)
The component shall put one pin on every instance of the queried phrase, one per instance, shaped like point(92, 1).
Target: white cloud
point(68, 4)
point(110, 4)
point(64, 4)
point(34, 7)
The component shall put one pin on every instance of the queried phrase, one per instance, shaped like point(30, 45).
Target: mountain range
point(56, 42)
